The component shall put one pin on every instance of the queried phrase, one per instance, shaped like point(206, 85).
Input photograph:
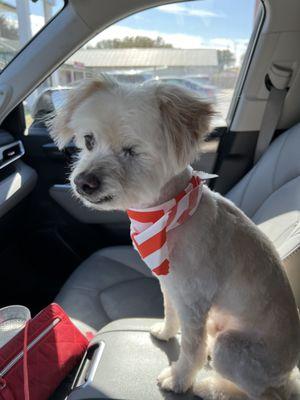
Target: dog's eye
point(89, 141)
point(129, 151)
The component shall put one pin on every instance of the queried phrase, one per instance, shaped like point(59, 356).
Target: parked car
point(134, 77)
point(52, 98)
point(204, 91)
point(204, 81)
point(200, 78)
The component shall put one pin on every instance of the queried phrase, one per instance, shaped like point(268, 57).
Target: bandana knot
point(149, 227)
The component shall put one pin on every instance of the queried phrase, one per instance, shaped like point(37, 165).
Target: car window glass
point(199, 45)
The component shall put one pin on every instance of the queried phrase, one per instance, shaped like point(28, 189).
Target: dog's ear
point(186, 118)
point(60, 130)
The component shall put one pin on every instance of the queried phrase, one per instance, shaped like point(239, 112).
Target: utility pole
point(47, 5)
point(24, 23)
point(25, 33)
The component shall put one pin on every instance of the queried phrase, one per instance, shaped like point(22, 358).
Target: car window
point(200, 45)
point(19, 21)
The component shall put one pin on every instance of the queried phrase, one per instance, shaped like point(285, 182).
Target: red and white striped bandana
point(149, 226)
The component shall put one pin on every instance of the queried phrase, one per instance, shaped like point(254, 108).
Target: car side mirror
point(43, 106)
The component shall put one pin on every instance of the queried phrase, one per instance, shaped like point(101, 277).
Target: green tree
point(225, 59)
point(130, 42)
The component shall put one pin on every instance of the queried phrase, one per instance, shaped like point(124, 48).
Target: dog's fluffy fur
point(226, 282)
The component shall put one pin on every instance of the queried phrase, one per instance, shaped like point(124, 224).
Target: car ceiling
point(80, 20)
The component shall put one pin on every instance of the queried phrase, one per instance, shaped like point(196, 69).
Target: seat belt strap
point(279, 79)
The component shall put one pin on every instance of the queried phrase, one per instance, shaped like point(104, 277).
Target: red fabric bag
point(52, 346)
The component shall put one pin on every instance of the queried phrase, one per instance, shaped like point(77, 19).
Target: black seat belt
point(278, 80)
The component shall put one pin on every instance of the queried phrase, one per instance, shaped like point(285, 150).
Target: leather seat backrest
point(270, 195)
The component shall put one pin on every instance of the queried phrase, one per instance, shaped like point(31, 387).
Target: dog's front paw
point(160, 332)
point(170, 381)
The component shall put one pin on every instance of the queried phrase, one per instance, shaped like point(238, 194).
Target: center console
point(123, 362)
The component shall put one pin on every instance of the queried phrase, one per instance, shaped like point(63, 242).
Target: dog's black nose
point(87, 183)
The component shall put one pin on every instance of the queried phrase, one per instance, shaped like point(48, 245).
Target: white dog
point(226, 280)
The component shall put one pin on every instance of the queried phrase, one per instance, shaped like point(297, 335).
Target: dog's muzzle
point(87, 184)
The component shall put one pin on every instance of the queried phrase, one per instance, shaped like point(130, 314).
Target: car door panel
point(17, 185)
point(62, 194)
point(17, 179)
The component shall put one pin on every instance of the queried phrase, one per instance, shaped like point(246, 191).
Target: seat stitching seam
point(254, 170)
point(294, 225)
point(81, 288)
point(245, 190)
point(102, 291)
point(104, 311)
point(119, 262)
point(127, 280)
point(107, 258)
point(271, 194)
point(277, 161)
point(127, 330)
point(97, 291)
point(292, 253)
point(253, 173)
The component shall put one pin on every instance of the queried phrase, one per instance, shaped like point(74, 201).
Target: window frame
point(240, 83)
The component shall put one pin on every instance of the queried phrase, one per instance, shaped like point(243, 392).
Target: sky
point(222, 24)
